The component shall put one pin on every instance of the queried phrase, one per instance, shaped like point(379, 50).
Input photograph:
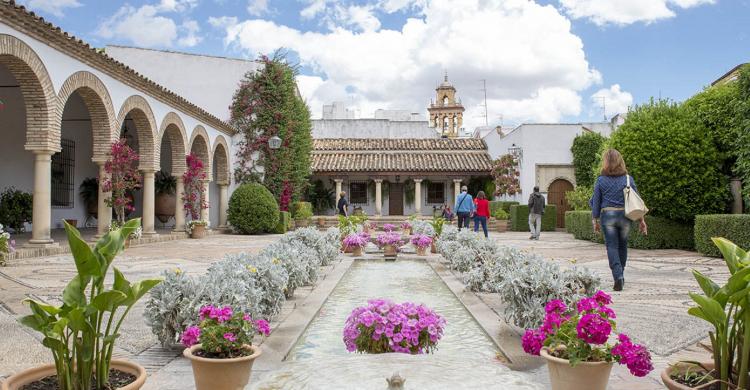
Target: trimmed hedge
point(253, 209)
point(285, 221)
point(733, 227)
point(302, 210)
point(662, 233)
point(500, 205)
point(519, 218)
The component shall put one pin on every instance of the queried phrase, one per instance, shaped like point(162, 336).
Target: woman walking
point(608, 211)
point(482, 215)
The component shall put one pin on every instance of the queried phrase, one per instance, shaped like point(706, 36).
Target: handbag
point(635, 208)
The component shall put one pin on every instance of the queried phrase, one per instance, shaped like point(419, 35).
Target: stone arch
point(145, 124)
point(102, 113)
point(172, 127)
point(221, 160)
point(40, 100)
point(199, 146)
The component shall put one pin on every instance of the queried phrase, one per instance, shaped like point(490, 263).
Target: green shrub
point(662, 233)
point(15, 208)
point(284, 224)
point(501, 204)
point(302, 210)
point(733, 227)
point(500, 214)
point(253, 209)
point(578, 199)
point(674, 161)
point(586, 150)
point(519, 218)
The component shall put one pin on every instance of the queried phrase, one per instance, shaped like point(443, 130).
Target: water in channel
point(465, 359)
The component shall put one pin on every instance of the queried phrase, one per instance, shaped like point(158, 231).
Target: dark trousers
point(463, 219)
point(616, 227)
point(480, 220)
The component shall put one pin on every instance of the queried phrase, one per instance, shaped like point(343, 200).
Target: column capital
point(457, 180)
point(222, 183)
point(43, 152)
point(149, 171)
point(338, 181)
point(417, 180)
point(378, 181)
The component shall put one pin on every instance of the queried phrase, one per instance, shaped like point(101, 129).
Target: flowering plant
point(194, 222)
point(193, 178)
point(372, 225)
point(223, 333)
point(580, 334)
point(122, 178)
point(356, 240)
point(405, 225)
point(421, 240)
point(389, 238)
point(383, 326)
point(389, 227)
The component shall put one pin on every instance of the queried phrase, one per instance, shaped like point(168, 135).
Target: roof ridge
point(179, 52)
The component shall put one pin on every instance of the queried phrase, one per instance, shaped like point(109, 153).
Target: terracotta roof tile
point(395, 144)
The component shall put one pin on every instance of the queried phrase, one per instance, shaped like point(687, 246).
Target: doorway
point(396, 199)
point(556, 196)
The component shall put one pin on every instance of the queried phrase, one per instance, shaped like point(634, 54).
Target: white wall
point(371, 128)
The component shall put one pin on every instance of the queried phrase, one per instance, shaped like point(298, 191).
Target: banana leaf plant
point(727, 308)
point(81, 333)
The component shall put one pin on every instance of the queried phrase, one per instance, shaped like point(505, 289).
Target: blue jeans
point(463, 219)
point(480, 220)
point(616, 227)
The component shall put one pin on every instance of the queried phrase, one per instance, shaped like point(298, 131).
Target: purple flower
point(587, 304)
point(555, 306)
point(229, 336)
point(355, 240)
point(635, 357)
point(221, 315)
point(246, 317)
point(263, 327)
point(206, 311)
point(602, 298)
point(190, 336)
point(532, 341)
point(405, 225)
point(593, 329)
point(388, 227)
point(421, 240)
point(389, 238)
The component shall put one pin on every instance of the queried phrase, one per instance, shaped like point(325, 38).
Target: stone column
point(223, 204)
point(205, 213)
point(149, 197)
point(338, 189)
point(378, 197)
point(179, 212)
point(418, 196)
point(104, 212)
point(42, 206)
point(457, 186)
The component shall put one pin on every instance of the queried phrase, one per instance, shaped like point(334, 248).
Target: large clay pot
point(164, 206)
point(585, 375)
point(671, 384)
point(433, 248)
point(321, 222)
point(422, 251)
point(30, 375)
point(199, 231)
point(221, 374)
point(389, 250)
point(357, 251)
point(502, 225)
point(301, 223)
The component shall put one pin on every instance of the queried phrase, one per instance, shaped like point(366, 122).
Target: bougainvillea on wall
point(122, 178)
point(194, 176)
point(505, 171)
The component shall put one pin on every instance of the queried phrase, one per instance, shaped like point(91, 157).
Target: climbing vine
point(505, 172)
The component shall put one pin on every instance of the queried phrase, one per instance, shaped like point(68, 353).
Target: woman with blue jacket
point(608, 211)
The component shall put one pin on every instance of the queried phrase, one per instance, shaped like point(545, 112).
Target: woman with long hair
point(608, 212)
point(482, 214)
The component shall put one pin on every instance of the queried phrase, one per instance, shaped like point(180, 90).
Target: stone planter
point(198, 231)
point(389, 250)
point(221, 374)
point(502, 225)
point(301, 223)
point(164, 206)
point(433, 248)
point(357, 251)
point(422, 251)
point(585, 375)
point(23, 378)
point(671, 384)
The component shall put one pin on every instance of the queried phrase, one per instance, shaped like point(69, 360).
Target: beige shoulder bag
point(635, 209)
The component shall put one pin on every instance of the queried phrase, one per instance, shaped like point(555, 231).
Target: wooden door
point(395, 199)
point(556, 196)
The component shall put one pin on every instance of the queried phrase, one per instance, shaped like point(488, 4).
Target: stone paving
point(652, 308)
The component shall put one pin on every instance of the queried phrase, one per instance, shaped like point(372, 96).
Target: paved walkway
point(652, 308)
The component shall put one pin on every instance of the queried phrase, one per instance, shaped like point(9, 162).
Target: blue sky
point(543, 61)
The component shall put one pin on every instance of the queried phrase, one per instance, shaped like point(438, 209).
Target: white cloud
point(147, 26)
point(613, 99)
point(534, 65)
point(257, 7)
point(53, 7)
point(313, 8)
point(623, 12)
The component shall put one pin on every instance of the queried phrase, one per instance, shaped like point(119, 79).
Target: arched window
point(445, 100)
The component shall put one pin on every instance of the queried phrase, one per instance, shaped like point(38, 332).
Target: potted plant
point(406, 228)
point(379, 327)
point(356, 241)
point(303, 213)
point(165, 203)
point(390, 242)
point(574, 342)
point(503, 218)
point(15, 208)
point(421, 242)
point(81, 333)
point(437, 224)
point(727, 309)
point(220, 348)
point(193, 196)
point(389, 227)
point(7, 245)
point(122, 178)
point(89, 192)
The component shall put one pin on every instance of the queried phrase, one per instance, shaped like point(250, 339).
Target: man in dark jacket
point(536, 209)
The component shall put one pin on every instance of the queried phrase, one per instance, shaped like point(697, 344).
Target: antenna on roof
point(484, 89)
point(604, 106)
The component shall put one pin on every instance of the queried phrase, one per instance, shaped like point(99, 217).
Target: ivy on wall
point(587, 150)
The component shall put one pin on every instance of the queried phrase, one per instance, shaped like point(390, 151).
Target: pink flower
point(593, 329)
point(263, 327)
point(602, 298)
point(246, 317)
point(206, 311)
point(190, 336)
point(635, 357)
point(532, 341)
point(229, 336)
point(555, 306)
point(587, 304)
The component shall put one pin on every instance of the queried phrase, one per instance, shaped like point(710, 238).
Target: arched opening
point(137, 127)
point(556, 196)
point(445, 100)
point(171, 166)
point(218, 189)
point(199, 148)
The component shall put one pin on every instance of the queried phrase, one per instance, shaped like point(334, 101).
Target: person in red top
point(482, 215)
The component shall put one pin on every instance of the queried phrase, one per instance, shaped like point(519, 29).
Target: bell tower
point(446, 112)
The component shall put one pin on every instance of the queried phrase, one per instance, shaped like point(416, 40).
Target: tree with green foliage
point(265, 105)
point(587, 150)
point(742, 165)
point(674, 160)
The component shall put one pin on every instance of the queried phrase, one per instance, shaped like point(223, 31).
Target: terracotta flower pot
point(585, 375)
point(221, 374)
point(199, 231)
point(357, 251)
point(300, 223)
point(422, 251)
point(164, 206)
point(389, 250)
point(671, 384)
point(433, 248)
point(502, 225)
point(30, 375)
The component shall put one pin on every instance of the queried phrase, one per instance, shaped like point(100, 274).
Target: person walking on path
point(464, 208)
point(608, 212)
point(343, 204)
point(536, 210)
point(482, 215)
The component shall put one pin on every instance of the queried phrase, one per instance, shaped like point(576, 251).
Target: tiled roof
point(26, 21)
point(400, 155)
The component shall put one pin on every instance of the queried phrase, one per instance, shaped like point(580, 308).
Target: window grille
point(436, 193)
point(358, 192)
point(63, 179)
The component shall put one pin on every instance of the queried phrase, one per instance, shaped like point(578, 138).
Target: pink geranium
point(223, 331)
